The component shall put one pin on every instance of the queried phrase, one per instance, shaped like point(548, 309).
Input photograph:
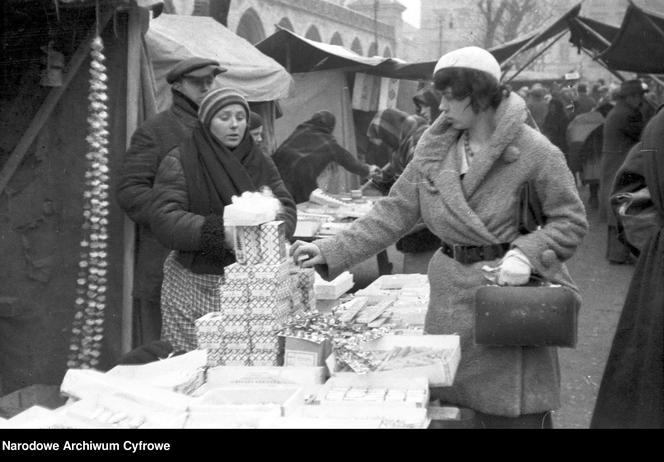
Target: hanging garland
point(88, 326)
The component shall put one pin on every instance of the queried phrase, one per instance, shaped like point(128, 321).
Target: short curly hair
point(484, 91)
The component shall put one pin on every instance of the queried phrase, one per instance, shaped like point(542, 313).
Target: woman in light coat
point(463, 182)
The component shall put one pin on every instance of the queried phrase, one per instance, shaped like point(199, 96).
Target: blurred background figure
point(622, 130)
point(560, 113)
point(523, 92)
point(303, 158)
point(584, 139)
point(401, 132)
point(537, 104)
point(256, 131)
point(584, 102)
point(426, 102)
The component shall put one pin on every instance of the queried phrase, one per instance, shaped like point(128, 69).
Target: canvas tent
point(172, 38)
point(329, 77)
point(638, 46)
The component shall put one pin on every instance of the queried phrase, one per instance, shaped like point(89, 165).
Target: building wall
point(327, 18)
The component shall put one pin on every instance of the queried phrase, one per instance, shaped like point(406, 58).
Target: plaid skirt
point(185, 297)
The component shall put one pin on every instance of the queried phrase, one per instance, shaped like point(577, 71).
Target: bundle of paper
point(435, 357)
point(183, 373)
point(333, 289)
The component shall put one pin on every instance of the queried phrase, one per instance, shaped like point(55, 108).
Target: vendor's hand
point(374, 170)
point(306, 254)
point(515, 269)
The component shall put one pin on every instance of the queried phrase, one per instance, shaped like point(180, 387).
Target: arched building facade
point(320, 20)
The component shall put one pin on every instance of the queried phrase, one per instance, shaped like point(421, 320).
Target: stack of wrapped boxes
point(256, 297)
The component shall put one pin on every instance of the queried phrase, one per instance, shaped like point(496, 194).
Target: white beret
point(471, 58)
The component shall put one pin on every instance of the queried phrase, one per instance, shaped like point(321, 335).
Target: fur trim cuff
point(212, 238)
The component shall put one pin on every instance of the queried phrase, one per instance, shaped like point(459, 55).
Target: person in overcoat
point(304, 157)
point(463, 183)
point(194, 183)
point(632, 389)
point(622, 130)
point(190, 81)
point(401, 132)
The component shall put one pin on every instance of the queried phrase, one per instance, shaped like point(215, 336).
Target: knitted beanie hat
point(217, 99)
point(255, 121)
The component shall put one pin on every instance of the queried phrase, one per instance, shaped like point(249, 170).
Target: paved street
point(603, 287)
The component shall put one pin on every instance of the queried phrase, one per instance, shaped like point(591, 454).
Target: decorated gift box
point(273, 242)
point(247, 245)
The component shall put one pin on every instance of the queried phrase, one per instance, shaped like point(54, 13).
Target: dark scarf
point(214, 173)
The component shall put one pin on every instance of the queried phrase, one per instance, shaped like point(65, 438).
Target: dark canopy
point(639, 45)
point(591, 35)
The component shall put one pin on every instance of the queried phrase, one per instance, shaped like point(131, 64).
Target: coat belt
point(468, 254)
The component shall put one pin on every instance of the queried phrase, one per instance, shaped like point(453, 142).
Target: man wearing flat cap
point(190, 80)
point(622, 130)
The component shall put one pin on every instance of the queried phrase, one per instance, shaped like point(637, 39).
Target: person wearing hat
point(537, 104)
point(306, 157)
point(256, 131)
point(190, 80)
point(194, 183)
point(463, 183)
point(622, 130)
point(426, 104)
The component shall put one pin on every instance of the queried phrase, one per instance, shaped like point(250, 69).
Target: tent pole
point(593, 31)
point(604, 65)
point(47, 107)
point(537, 56)
point(129, 228)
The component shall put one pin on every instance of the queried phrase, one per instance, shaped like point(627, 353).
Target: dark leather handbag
point(637, 217)
point(539, 314)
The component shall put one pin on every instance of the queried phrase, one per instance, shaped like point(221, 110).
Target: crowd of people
point(455, 166)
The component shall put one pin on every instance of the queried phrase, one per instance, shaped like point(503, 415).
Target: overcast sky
point(412, 14)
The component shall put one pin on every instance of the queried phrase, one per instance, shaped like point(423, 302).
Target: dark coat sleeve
point(137, 175)
point(349, 162)
point(170, 219)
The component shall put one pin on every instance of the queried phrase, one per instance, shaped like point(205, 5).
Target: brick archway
point(251, 27)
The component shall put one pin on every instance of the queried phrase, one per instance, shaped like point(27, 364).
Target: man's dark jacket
point(150, 143)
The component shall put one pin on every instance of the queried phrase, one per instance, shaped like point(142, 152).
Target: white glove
point(515, 269)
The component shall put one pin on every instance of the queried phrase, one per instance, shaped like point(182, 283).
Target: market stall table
point(324, 217)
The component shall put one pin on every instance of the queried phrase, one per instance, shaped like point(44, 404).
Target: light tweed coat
point(479, 210)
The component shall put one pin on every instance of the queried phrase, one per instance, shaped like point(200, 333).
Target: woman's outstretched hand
point(306, 254)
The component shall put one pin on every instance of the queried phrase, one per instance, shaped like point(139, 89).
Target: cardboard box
point(240, 399)
point(182, 374)
point(270, 308)
point(301, 352)
point(271, 273)
point(333, 289)
point(273, 242)
point(247, 245)
point(238, 274)
point(288, 375)
point(273, 290)
point(440, 373)
point(372, 391)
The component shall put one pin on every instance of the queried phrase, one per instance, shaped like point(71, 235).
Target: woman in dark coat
point(194, 183)
point(630, 395)
point(305, 154)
